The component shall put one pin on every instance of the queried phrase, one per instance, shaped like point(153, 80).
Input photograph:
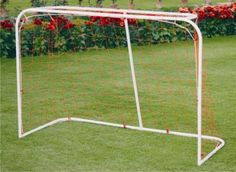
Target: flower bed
point(209, 12)
point(215, 20)
point(60, 34)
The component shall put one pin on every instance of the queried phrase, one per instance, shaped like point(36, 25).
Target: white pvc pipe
point(111, 15)
point(44, 126)
point(126, 14)
point(222, 143)
point(131, 60)
point(183, 134)
point(18, 77)
point(176, 133)
point(199, 92)
point(121, 11)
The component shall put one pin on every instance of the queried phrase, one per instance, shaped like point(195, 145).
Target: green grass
point(102, 79)
point(139, 4)
point(83, 147)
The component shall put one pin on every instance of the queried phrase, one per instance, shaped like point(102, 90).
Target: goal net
point(138, 70)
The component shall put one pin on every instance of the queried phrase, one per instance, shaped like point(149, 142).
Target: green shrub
point(60, 34)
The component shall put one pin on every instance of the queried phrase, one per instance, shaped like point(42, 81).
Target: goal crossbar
point(125, 14)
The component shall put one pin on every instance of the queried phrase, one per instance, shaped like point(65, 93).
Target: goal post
point(126, 15)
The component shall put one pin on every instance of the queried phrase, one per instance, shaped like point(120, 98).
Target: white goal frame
point(167, 17)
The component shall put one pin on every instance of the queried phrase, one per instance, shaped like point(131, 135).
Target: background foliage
point(61, 34)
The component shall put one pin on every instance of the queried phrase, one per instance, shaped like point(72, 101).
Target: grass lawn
point(75, 146)
point(139, 4)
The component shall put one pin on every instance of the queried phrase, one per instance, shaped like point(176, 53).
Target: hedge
point(61, 34)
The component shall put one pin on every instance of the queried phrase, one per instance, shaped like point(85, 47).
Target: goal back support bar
point(168, 17)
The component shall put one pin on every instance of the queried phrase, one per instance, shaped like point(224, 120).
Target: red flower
point(88, 23)
point(69, 25)
point(122, 23)
point(104, 21)
point(225, 12)
point(185, 10)
point(233, 7)
point(94, 18)
point(221, 11)
point(210, 11)
point(211, 14)
point(200, 12)
point(6, 24)
point(37, 22)
point(51, 27)
point(53, 22)
point(201, 15)
point(132, 21)
point(60, 20)
point(116, 20)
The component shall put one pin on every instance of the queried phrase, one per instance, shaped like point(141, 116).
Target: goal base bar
point(220, 141)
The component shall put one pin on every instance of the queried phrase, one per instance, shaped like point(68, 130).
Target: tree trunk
point(3, 3)
point(80, 2)
point(184, 2)
point(3, 12)
point(159, 4)
point(99, 3)
point(131, 4)
point(208, 1)
point(114, 4)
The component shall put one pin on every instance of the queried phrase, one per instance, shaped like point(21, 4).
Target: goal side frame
point(125, 14)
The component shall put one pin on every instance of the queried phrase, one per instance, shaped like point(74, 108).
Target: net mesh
point(79, 67)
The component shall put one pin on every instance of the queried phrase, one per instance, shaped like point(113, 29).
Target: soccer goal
point(132, 69)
